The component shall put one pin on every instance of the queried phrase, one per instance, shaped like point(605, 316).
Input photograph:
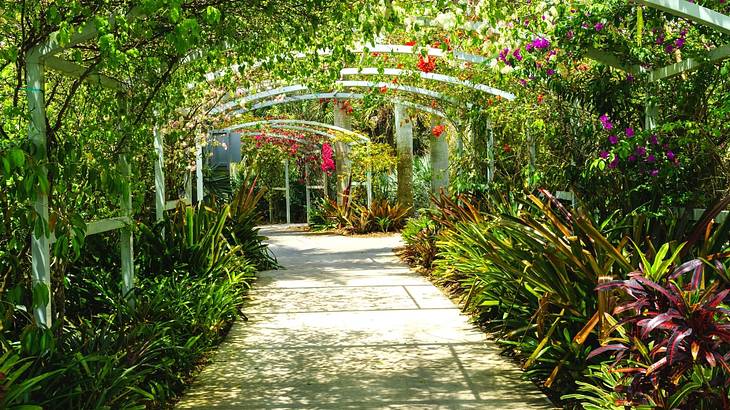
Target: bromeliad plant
point(673, 343)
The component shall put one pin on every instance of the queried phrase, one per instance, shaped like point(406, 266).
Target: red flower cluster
point(427, 64)
point(438, 130)
point(328, 163)
point(346, 106)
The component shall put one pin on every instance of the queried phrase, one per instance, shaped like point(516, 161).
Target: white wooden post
point(439, 161)
point(490, 152)
point(159, 175)
point(39, 245)
point(325, 187)
point(342, 149)
point(306, 189)
point(369, 183)
point(533, 151)
point(651, 115)
point(126, 234)
point(287, 194)
point(404, 148)
point(189, 188)
point(199, 172)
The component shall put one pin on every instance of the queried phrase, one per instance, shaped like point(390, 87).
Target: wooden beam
point(52, 45)
point(76, 71)
point(106, 225)
point(713, 56)
point(611, 61)
point(693, 12)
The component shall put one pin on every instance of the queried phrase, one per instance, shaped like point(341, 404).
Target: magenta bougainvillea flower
point(328, 163)
point(606, 122)
point(671, 156)
point(630, 132)
point(604, 154)
point(613, 139)
point(640, 151)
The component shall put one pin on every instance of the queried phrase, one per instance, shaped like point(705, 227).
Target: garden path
point(347, 326)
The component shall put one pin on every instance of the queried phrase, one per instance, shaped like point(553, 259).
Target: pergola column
point(439, 161)
point(287, 193)
point(342, 149)
point(404, 148)
point(159, 175)
point(199, 188)
point(490, 152)
point(39, 244)
point(126, 235)
point(651, 117)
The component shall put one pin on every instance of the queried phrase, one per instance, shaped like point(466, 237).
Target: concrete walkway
point(347, 326)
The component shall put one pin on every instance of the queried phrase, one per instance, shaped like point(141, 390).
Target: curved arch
point(267, 133)
point(339, 96)
point(354, 84)
point(292, 124)
point(395, 72)
point(373, 48)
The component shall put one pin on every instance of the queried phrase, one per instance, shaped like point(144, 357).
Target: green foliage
point(349, 217)
point(420, 235)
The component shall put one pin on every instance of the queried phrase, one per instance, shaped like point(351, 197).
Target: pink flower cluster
point(328, 162)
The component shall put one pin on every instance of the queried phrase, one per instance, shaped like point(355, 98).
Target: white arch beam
point(353, 84)
point(283, 137)
point(373, 48)
point(395, 72)
point(291, 124)
point(339, 96)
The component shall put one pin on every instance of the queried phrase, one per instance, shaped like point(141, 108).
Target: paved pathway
point(347, 326)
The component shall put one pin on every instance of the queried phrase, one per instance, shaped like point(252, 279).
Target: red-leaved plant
point(674, 339)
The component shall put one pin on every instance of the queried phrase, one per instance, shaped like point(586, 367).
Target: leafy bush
point(672, 345)
point(194, 272)
point(419, 235)
point(349, 217)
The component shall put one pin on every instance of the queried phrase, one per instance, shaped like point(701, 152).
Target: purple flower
point(640, 151)
point(671, 156)
point(651, 158)
point(630, 78)
point(613, 164)
point(679, 43)
point(654, 172)
point(517, 55)
point(541, 43)
point(550, 71)
point(523, 82)
point(598, 26)
point(613, 139)
point(632, 158)
point(604, 154)
point(606, 122)
point(654, 140)
point(630, 132)
point(569, 35)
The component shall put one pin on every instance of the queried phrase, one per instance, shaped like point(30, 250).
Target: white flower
point(446, 20)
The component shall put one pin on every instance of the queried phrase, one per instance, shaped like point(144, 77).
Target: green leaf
point(17, 156)
point(212, 15)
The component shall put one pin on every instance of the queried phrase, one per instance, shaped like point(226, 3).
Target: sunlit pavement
point(347, 326)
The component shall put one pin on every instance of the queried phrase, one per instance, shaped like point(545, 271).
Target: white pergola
point(44, 57)
point(331, 132)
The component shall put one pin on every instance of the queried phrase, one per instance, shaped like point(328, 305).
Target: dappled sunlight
point(346, 325)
